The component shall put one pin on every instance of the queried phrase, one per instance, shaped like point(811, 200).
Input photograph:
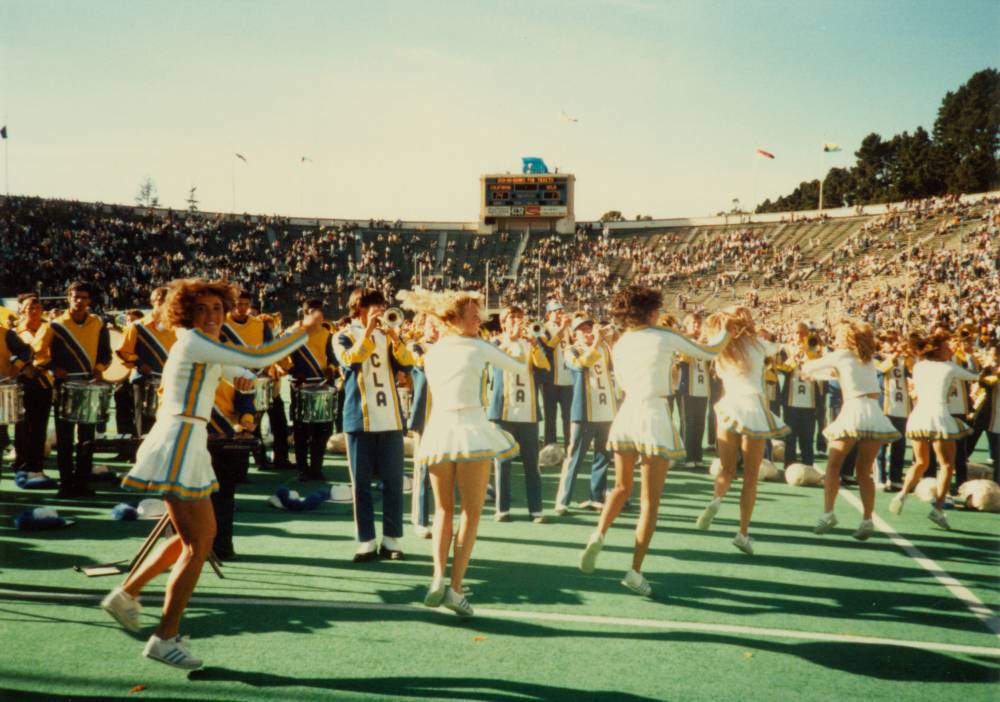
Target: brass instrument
point(393, 318)
point(536, 329)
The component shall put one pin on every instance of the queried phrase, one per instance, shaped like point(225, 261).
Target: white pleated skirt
point(461, 436)
point(173, 460)
point(749, 415)
point(861, 418)
point(645, 426)
point(933, 421)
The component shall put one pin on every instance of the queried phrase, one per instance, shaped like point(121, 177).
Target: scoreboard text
point(526, 196)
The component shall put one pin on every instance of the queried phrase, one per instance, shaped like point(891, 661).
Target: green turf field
point(807, 618)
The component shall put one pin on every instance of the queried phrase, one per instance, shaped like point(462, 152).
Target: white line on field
point(964, 594)
point(655, 624)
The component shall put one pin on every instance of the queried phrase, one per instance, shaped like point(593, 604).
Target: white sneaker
point(938, 518)
point(588, 559)
point(423, 532)
point(743, 543)
point(865, 529)
point(826, 523)
point(457, 603)
point(896, 504)
point(171, 651)
point(501, 517)
point(123, 607)
point(538, 518)
point(704, 520)
point(561, 510)
point(435, 593)
point(637, 583)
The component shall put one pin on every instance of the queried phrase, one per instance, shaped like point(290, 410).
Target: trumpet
point(393, 318)
point(536, 329)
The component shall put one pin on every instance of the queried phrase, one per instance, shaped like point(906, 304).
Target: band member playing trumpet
point(557, 386)
point(310, 364)
point(75, 346)
point(370, 355)
point(29, 435)
point(173, 460)
point(802, 400)
point(693, 390)
point(895, 367)
point(594, 407)
point(514, 406)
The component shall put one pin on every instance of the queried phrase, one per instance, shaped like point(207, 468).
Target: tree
point(838, 188)
point(967, 132)
point(612, 216)
point(147, 195)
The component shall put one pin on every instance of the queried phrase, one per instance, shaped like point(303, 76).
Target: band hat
point(553, 306)
point(580, 321)
point(151, 508)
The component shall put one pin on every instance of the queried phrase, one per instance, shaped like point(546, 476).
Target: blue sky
point(401, 105)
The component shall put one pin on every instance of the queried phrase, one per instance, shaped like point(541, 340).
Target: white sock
point(596, 536)
point(366, 547)
point(716, 501)
point(390, 543)
point(827, 515)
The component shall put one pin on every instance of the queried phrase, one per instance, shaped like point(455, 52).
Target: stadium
point(738, 403)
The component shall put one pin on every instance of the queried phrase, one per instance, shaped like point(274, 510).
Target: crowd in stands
point(127, 251)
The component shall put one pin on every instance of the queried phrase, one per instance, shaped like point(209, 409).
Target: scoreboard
point(547, 195)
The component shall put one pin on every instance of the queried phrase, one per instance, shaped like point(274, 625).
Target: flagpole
point(6, 165)
point(233, 183)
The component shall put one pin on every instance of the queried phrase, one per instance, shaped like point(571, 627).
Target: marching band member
point(859, 423)
point(173, 459)
point(895, 368)
point(960, 396)
point(802, 400)
point(370, 357)
point(144, 349)
point(124, 400)
point(74, 346)
point(642, 431)
point(243, 329)
point(693, 390)
point(311, 363)
point(593, 409)
point(15, 356)
point(745, 422)
point(29, 435)
point(233, 415)
point(931, 424)
point(992, 403)
point(427, 328)
point(459, 444)
point(514, 406)
point(557, 386)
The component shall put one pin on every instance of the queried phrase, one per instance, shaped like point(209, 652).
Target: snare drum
point(84, 403)
point(263, 394)
point(314, 404)
point(150, 394)
point(11, 402)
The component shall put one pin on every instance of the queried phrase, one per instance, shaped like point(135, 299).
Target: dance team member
point(173, 459)
point(745, 423)
point(643, 430)
point(931, 424)
point(860, 422)
point(459, 443)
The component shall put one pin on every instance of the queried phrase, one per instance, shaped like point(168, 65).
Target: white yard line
point(482, 612)
point(962, 593)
